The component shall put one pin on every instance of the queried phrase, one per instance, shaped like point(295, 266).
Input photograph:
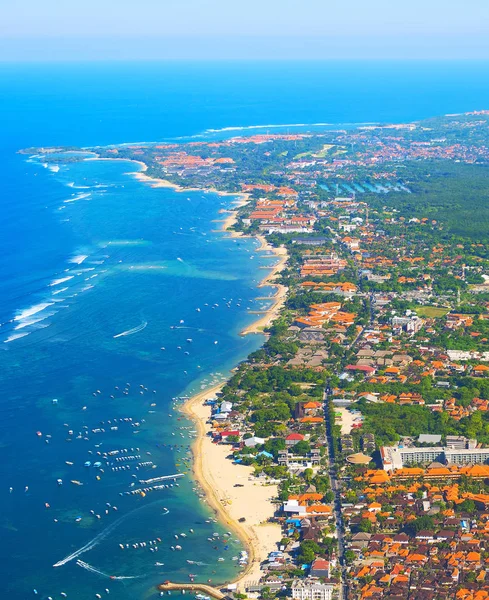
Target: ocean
point(117, 297)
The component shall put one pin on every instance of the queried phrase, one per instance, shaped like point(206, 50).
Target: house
point(365, 369)
point(320, 568)
point(226, 406)
point(294, 507)
point(311, 589)
point(227, 434)
point(293, 438)
point(253, 441)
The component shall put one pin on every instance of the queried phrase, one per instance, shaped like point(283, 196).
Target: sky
point(245, 29)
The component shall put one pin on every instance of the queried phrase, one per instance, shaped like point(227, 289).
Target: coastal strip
point(238, 500)
point(219, 478)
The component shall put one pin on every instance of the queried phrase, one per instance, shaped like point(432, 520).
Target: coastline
point(213, 471)
point(217, 476)
point(242, 199)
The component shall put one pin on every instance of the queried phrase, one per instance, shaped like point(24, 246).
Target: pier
point(162, 478)
point(193, 587)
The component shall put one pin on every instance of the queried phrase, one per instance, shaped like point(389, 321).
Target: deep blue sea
point(101, 277)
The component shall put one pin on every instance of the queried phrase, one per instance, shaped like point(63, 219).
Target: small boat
point(78, 519)
point(87, 464)
point(76, 482)
point(59, 481)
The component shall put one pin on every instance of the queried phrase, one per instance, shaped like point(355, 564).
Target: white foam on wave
point(53, 168)
point(59, 291)
point(123, 243)
point(276, 126)
point(32, 321)
point(61, 280)
point(77, 187)
point(78, 259)
point(279, 126)
point(28, 312)
point(15, 336)
point(78, 197)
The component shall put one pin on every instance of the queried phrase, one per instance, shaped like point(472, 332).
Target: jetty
point(193, 587)
point(162, 478)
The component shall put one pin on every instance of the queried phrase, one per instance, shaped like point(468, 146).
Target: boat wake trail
point(88, 567)
point(133, 330)
point(102, 535)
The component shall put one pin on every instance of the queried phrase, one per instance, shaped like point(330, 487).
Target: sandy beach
point(217, 476)
point(281, 294)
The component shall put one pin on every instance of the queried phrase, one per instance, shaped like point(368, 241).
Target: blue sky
point(107, 29)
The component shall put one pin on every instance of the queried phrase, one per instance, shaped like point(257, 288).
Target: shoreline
point(217, 476)
point(242, 199)
point(212, 470)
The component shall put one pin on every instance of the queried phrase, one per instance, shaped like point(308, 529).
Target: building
point(427, 438)
point(459, 442)
point(254, 441)
point(311, 459)
point(320, 567)
point(315, 241)
point(311, 589)
point(293, 438)
point(397, 457)
point(410, 324)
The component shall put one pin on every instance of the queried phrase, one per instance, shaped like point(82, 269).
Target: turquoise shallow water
point(151, 257)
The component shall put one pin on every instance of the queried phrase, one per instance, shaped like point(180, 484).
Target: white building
point(397, 457)
point(226, 406)
point(293, 506)
point(253, 441)
point(311, 589)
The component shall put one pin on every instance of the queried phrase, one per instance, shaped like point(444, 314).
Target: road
point(336, 489)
